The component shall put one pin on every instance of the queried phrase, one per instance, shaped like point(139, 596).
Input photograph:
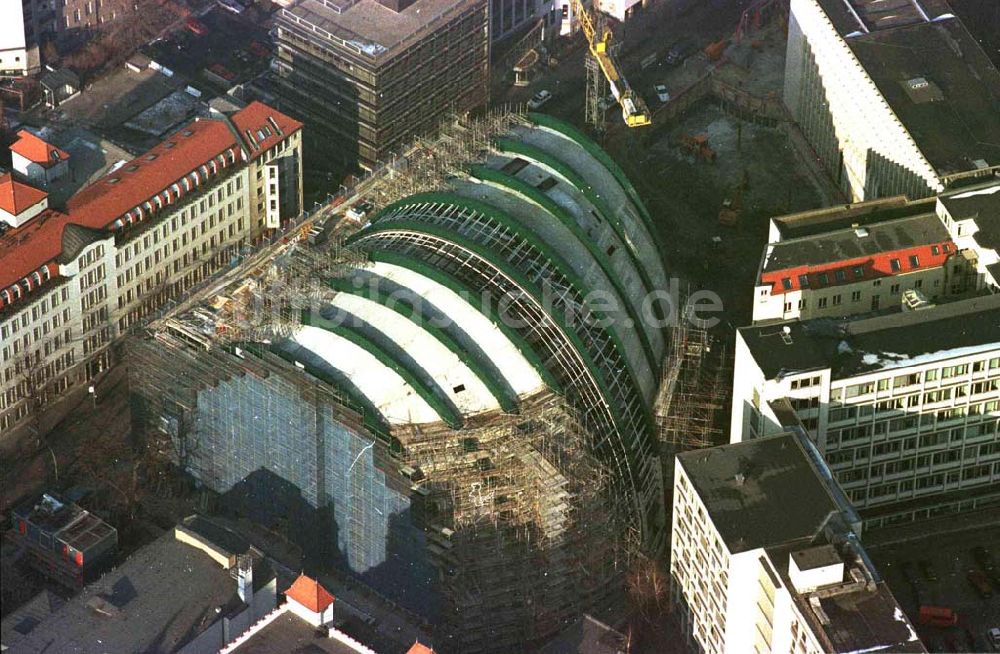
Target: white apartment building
point(972, 217)
point(880, 91)
point(765, 557)
point(904, 407)
point(72, 282)
point(18, 45)
point(878, 255)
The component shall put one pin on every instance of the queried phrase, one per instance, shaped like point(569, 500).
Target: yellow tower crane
point(598, 34)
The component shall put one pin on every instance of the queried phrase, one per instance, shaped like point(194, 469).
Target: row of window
point(858, 272)
point(901, 381)
point(978, 474)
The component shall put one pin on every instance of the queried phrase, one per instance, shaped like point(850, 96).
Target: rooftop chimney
point(244, 578)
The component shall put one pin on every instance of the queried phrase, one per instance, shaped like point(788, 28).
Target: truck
point(937, 616)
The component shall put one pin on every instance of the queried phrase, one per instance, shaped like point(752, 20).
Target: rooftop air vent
point(861, 232)
point(918, 83)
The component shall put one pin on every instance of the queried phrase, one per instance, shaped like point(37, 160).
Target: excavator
point(598, 34)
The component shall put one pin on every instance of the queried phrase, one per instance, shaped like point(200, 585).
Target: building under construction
point(463, 388)
point(374, 73)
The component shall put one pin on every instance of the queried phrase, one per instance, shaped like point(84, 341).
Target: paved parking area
point(931, 571)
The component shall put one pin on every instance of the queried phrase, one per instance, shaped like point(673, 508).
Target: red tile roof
point(307, 592)
point(419, 648)
point(261, 127)
point(35, 149)
point(117, 193)
point(31, 246)
point(15, 197)
point(103, 202)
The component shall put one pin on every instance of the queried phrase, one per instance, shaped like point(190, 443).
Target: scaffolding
point(459, 141)
point(517, 514)
point(692, 398)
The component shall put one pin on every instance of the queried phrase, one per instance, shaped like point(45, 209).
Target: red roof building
point(310, 594)
point(261, 127)
point(37, 151)
point(138, 190)
point(16, 198)
point(419, 648)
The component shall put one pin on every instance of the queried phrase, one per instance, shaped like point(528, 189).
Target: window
point(860, 389)
point(836, 300)
point(858, 272)
point(824, 279)
point(822, 303)
point(894, 289)
point(914, 261)
point(935, 250)
point(856, 296)
point(786, 283)
point(841, 276)
point(804, 281)
point(894, 265)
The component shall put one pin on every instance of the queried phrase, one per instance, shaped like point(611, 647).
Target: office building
point(894, 97)
point(509, 17)
point(881, 255)
point(904, 407)
point(765, 556)
point(372, 74)
point(73, 279)
point(478, 444)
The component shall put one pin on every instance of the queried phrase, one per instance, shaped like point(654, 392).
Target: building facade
point(507, 17)
point(37, 161)
point(879, 95)
point(903, 407)
point(75, 280)
point(765, 557)
point(449, 417)
point(374, 85)
point(19, 54)
point(878, 256)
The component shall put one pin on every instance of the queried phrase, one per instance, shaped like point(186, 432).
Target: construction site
point(455, 422)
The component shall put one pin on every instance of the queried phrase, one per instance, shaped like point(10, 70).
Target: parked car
point(661, 93)
point(993, 636)
point(983, 558)
point(927, 570)
point(359, 211)
point(906, 569)
point(981, 583)
point(539, 99)
point(681, 51)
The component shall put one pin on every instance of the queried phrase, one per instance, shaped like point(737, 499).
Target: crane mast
point(598, 35)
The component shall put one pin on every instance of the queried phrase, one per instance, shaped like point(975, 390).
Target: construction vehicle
point(697, 146)
point(598, 34)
